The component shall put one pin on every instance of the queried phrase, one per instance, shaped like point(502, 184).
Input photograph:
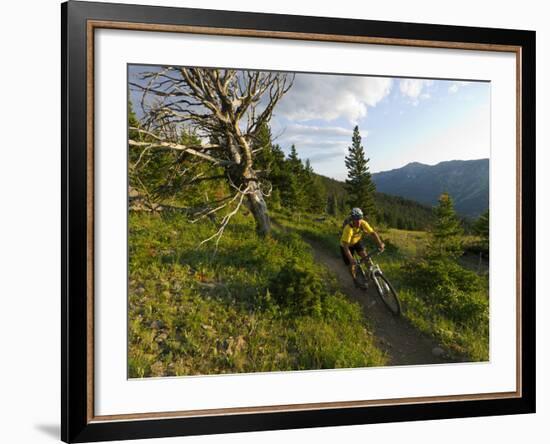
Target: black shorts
point(355, 248)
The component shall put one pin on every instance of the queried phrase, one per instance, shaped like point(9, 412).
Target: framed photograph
point(275, 221)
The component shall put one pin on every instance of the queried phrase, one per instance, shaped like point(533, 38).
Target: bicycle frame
point(376, 276)
point(373, 267)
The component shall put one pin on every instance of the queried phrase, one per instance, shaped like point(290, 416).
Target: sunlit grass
point(469, 340)
point(195, 312)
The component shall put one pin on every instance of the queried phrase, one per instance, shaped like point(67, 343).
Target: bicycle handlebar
point(374, 253)
point(370, 255)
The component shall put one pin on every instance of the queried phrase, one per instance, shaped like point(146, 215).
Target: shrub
point(440, 274)
point(464, 308)
point(451, 290)
point(297, 289)
point(446, 236)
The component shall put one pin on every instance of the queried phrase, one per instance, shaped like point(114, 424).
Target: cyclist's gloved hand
point(381, 248)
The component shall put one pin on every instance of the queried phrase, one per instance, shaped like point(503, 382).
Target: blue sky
point(400, 120)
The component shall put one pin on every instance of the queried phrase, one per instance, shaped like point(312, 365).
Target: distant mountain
point(467, 181)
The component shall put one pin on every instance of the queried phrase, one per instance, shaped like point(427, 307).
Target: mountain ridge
point(467, 181)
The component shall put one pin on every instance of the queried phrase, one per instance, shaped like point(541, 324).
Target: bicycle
point(384, 288)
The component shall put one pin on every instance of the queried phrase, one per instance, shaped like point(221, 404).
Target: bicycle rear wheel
point(387, 293)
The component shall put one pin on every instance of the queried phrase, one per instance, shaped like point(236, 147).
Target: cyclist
point(350, 242)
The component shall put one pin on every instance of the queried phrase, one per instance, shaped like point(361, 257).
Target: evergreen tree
point(342, 205)
point(293, 193)
point(314, 190)
point(359, 184)
point(413, 215)
point(294, 162)
point(275, 199)
point(159, 175)
point(481, 228)
point(332, 205)
point(400, 223)
point(133, 122)
point(446, 236)
point(277, 171)
point(265, 156)
point(270, 161)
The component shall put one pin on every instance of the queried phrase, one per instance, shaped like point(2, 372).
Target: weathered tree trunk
point(255, 197)
point(258, 207)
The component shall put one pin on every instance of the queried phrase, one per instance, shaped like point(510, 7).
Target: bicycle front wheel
point(387, 293)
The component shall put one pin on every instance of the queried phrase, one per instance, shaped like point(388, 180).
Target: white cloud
point(331, 131)
point(316, 142)
point(455, 86)
point(413, 89)
point(313, 141)
point(329, 97)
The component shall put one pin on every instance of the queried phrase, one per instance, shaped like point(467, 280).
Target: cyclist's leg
point(361, 250)
point(352, 265)
point(344, 257)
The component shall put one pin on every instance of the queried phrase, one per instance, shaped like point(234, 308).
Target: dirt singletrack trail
point(403, 343)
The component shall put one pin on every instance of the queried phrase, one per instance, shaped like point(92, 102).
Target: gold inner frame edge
point(105, 24)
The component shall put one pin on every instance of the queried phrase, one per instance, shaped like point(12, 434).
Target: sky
point(400, 120)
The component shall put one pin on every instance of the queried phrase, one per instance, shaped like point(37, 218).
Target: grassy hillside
point(257, 304)
point(193, 312)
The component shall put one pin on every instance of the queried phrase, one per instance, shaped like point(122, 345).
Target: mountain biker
point(350, 242)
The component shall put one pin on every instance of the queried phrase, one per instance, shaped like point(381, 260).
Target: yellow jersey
point(352, 235)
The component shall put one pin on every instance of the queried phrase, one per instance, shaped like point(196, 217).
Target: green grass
point(442, 319)
point(409, 243)
point(464, 338)
point(195, 312)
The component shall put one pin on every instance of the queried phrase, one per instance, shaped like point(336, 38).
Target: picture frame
point(80, 22)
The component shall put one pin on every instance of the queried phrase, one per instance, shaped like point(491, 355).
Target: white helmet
point(356, 213)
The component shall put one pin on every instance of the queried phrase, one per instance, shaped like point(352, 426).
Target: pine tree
point(446, 236)
point(332, 205)
point(275, 199)
point(160, 175)
point(314, 191)
point(265, 156)
point(359, 184)
point(270, 161)
point(276, 172)
point(481, 228)
point(293, 194)
point(342, 205)
point(279, 176)
point(294, 162)
point(133, 122)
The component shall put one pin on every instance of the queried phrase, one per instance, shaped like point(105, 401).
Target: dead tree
point(225, 107)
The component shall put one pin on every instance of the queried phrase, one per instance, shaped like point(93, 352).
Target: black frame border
point(75, 426)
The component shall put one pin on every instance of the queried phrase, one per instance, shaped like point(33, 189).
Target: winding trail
point(403, 343)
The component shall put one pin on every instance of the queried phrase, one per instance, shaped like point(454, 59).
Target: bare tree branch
point(218, 234)
point(176, 146)
point(227, 106)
